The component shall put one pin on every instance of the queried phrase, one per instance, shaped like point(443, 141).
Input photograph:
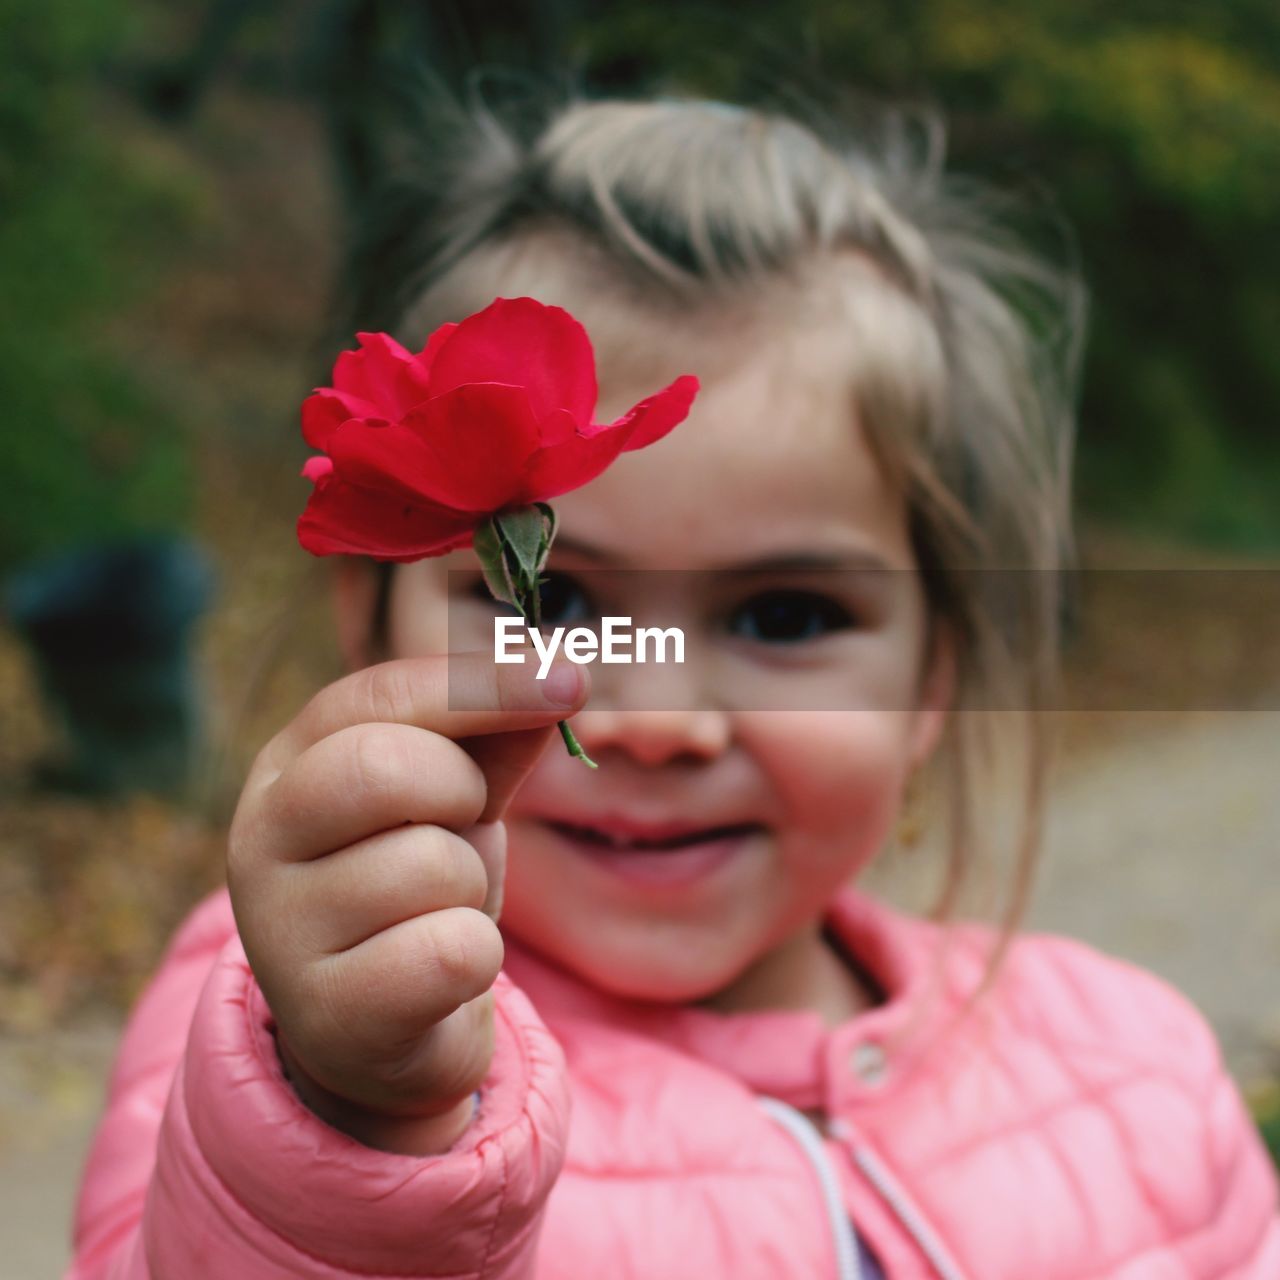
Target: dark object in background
point(108, 627)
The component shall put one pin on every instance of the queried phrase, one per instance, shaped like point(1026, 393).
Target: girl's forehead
point(771, 457)
point(785, 380)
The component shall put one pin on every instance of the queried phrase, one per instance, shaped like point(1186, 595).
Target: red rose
point(493, 414)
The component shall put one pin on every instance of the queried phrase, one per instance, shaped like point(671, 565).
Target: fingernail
point(562, 685)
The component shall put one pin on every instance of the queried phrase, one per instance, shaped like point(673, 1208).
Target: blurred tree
point(360, 43)
point(97, 477)
point(345, 52)
point(89, 451)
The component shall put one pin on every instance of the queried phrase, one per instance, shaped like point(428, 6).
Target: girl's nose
point(654, 737)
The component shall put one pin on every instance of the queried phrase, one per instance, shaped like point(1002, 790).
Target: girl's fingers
point(361, 780)
point(373, 885)
point(455, 695)
point(440, 961)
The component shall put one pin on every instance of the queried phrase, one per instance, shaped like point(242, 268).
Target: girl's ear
point(937, 691)
point(354, 597)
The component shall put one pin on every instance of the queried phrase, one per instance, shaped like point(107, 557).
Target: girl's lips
point(669, 860)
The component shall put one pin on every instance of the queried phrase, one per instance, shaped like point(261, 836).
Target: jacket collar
point(787, 1053)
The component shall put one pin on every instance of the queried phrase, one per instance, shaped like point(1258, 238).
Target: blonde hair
point(970, 341)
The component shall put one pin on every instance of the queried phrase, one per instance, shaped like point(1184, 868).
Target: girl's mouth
point(669, 860)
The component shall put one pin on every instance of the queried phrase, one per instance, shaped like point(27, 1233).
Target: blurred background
point(176, 182)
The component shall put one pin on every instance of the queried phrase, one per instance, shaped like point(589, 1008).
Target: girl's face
point(717, 829)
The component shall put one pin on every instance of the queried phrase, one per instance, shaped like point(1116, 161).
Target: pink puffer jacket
point(1080, 1126)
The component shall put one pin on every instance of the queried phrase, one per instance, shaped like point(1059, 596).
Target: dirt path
point(1166, 850)
point(51, 1089)
point(1161, 846)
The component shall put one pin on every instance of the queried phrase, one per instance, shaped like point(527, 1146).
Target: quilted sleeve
point(1237, 1236)
point(210, 1165)
point(1245, 1231)
point(1206, 1172)
point(117, 1172)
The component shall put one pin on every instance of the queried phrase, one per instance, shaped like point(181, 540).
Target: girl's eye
point(789, 616)
point(480, 590)
point(563, 601)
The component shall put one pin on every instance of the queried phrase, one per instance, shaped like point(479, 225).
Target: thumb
point(506, 759)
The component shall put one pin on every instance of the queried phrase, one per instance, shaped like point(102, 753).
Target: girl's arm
point(1209, 1193)
point(207, 1163)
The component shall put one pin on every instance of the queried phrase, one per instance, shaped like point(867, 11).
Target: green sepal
point(526, 536)
point(490, 549)
point(512, 548)
point(548, 532)
point(526, 532)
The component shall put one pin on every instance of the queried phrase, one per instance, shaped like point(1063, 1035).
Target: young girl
point(669, 1036)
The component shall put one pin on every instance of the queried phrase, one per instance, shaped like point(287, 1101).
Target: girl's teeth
point(614, 841)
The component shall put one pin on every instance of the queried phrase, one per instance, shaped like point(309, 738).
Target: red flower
point(493, 414)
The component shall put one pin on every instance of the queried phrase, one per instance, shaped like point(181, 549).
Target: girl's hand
point(365, 864)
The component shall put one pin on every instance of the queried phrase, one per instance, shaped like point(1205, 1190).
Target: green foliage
point(1271, 1136)
point(91, 449)
point(1266, 1111)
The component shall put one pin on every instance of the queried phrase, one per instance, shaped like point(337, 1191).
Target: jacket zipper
point(847, 1252)
point(848, 1266)
point(893, 1194)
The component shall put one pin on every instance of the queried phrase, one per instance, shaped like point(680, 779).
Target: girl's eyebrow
point(856, 558)
point(801, 560)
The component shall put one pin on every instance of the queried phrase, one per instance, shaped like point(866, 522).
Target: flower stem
point(575, 747)
point(512, 547)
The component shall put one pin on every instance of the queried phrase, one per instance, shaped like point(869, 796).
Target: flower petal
point(523, 343)
point(475, 443)
point(325, 410)
point(427, 356)
point(655, 415)
point(317, 467)
point(562, 467)
point(384, 457)
point(383, 372)
point(558, 468)
point(557, 428)
point(346, 519)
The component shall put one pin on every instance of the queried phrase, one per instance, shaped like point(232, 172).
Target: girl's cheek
point(837, 771)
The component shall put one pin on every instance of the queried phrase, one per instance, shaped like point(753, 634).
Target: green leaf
point(491, 551)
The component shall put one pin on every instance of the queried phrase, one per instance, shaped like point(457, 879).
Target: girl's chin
point(646, 983)
point(634, 968)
